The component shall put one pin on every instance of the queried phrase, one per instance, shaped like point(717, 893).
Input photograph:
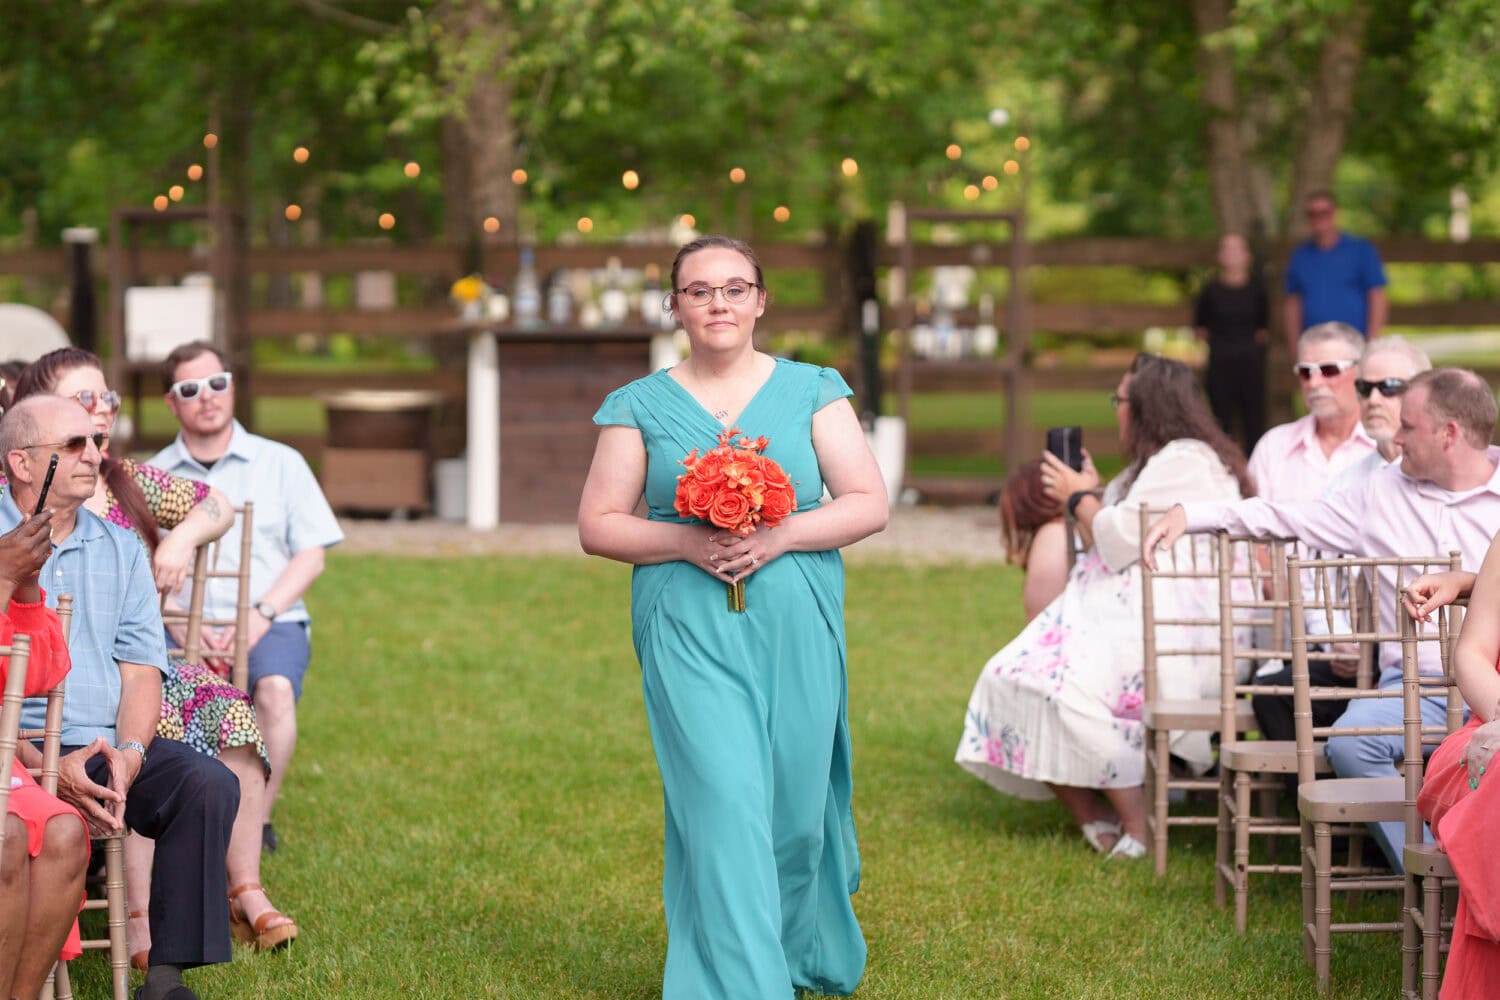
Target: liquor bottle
point(652, 296)
point(614, 304)
point(986, 337)
point(559, 300)
point(528, 293)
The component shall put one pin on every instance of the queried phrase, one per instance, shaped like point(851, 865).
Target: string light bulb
point(491, 224)
point(387, 220)
point(1022, 143)
point(195, 172)
point(210, 141)
point(737, 175)
point(631, 180)
point(585, 225)
point(293, 213)
point(990, 182)
point(518, 176)
point(687, 220)
point(850, 166)
point(782, 213)
point(954, 151)
point(160, 203)
point(1012, 167)
point(413, 169)
point(175, 192)
point(301, 153)
point(971, 191)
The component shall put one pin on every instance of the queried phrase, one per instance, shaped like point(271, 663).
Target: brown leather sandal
point(271, 930)
point(140, 959)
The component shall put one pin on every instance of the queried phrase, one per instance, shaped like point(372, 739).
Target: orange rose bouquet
point(737, 488)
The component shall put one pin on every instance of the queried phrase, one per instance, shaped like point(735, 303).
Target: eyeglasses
point(91, 400)
point(1115, 399)
point(734, 293)
point(191, 388)
point(1390, 388)
point(1329, 369)
point(74, 445)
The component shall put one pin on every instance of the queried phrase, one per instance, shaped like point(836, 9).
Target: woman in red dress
point(1460, 797)
point(46, 846)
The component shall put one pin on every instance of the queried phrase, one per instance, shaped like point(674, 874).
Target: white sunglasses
point(191, 388)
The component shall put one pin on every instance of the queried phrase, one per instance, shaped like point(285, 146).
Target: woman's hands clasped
point(733, 557)
point(1059, 481)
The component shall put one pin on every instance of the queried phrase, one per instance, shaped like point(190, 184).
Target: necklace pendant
point(720, 414)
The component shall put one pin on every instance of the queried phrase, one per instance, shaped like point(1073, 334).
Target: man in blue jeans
point(293, 526)
point(1333, 277)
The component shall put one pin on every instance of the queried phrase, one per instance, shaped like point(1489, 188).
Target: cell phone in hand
point(1067, 444)
point(41, 500)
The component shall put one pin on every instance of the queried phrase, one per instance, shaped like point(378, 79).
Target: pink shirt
point(1288, 464)
point(1390, 514)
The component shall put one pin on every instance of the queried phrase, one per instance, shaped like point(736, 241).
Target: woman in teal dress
point(748, 710)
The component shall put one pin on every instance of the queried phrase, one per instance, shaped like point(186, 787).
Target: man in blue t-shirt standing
point(1333, 277)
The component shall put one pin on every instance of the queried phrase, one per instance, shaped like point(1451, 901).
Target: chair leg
point(114, 890)
point(1242, 819)
point(1432, 936)
point(1322, 904)
point(1411, 948)
point(1163, 751)
point(1224, 831)
point(1306, 854)
point(62, 983)
point(1270, 801)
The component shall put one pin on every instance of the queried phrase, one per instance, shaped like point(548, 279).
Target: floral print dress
point(198, 707)
point(1062, 702)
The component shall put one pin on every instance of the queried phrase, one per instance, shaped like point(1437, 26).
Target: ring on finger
point(753, 561)
point(713, 557)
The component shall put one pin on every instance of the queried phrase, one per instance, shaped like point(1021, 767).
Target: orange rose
point(777, 505)
point(730, 509)
point(709, 468)
point(774, 475)
point(700, 498)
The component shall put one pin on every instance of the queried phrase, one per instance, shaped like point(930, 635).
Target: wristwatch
point(267, 610)
point(135, 745)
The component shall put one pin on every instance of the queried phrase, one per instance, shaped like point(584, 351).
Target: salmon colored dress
point(1465, 821)
point(47, 666)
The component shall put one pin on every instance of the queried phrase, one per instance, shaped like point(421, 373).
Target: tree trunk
point(1228, 171)
point(480, 30)
point(1327, 120)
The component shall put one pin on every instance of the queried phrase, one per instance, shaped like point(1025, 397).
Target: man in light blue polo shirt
point(112, 768)
point(1334, 277)
point(293, 525)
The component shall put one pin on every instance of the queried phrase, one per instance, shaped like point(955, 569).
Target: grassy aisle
point(475, 812)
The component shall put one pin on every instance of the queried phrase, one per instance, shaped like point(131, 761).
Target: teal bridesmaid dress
point(749, 720)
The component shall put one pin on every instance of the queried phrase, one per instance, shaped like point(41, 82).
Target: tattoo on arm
point(211, 508)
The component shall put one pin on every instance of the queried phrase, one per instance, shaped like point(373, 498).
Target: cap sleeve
point(831, 386)
point(616, 410)
point(49, 653)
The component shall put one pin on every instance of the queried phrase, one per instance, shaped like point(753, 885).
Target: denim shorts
point(284, 651)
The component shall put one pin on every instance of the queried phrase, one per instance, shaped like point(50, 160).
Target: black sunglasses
point(1390, 388)
point(76, 444)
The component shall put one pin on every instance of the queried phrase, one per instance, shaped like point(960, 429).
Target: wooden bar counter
point(549, 381)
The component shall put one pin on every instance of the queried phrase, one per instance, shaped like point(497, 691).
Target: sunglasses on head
point(1390, 388)
point(1328, 369)
point(192, 388)
point(76, 444)
point(91, 400)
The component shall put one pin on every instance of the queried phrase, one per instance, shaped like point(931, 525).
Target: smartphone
point(1067, 444)
point(41, 500)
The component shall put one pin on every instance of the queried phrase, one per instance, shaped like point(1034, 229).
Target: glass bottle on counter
point(528, 293)
point(614, 304)
point(559, 300)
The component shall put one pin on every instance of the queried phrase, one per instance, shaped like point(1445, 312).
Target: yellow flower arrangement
point(468, 290)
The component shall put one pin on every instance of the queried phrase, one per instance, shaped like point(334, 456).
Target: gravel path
point(915, 534)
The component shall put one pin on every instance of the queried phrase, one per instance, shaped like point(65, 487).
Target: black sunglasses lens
point(187, 390)
point(219, 383)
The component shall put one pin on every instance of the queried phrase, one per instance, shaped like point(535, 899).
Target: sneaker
point(268, 841)
point(1095, 832)
point(1127, 847)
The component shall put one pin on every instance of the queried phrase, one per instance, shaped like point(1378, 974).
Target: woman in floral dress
point(1057, 712)
point(199, 707)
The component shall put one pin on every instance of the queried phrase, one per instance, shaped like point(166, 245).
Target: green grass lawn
point(475, 812)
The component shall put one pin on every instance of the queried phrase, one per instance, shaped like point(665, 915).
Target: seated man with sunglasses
point(1297, 461)
point(112, 769)
point(1444, 495)
point(293, 527)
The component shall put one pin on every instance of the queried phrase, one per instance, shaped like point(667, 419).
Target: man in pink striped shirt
point(1443, 496)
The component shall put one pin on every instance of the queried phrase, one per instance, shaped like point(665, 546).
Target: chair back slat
point(19, 653)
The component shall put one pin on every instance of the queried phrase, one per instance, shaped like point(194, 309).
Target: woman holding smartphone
point(1057, 712)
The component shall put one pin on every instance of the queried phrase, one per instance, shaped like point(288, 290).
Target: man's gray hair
point(1399, 346)
point(1333, 333)
point(19, 428)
